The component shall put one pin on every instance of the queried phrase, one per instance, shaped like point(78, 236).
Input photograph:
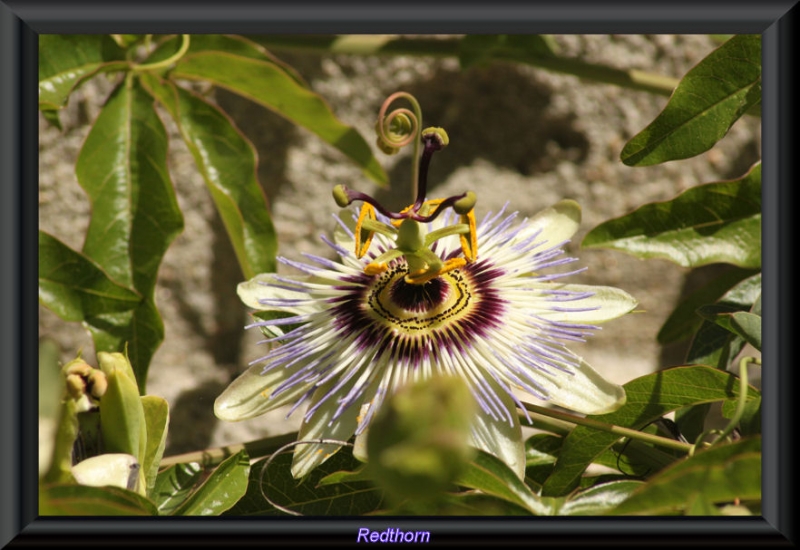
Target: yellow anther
point(423, 276)
point(374, 268)
point(469, 242)
point(364, 238)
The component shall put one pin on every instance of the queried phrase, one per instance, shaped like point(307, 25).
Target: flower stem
point(213, 457)
point(740, 406)
point(610, 428)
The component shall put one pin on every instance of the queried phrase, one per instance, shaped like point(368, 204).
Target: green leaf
point(748, 326)
point(541, 452)
point(691, 421)
point(343, 476)
point(135, 215)
point(717, 313)
point(541, 449)
point(223, 488)
point(82, 500)
point(173, 485)
point(704, 106)
point(478, 504)
point(745, 295)
point(750, 421)
point(633, 458)
point(308, 496)
point(127, 40)
point(720, 474)
point(491, 475)
point(599, 499)
point(474, 49)
point(232, 44)
point(741, 323)
point(227, 162)
point(714, 222)
point(140, 330)
point(74, 287)
point(714, 345)
point(122, 418)
point(684, 321)
point(51, 116)
point(648, 398)
point(269, 85)
point(156, 417)
point(67, 60)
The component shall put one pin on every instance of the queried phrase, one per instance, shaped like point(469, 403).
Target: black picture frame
point(22, 21)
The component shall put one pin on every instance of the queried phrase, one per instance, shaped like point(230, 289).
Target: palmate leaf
point(135, 216)
point(270, 84)
point(694, 486)
point(76, 288)
point(227, 162)
point(66, 61)
point(715, 222)
point(706, 103)
point(648, 398)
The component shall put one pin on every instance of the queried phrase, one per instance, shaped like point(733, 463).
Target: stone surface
point(518, 134)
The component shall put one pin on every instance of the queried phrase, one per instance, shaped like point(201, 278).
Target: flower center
point(412, 308)
point(418, 298)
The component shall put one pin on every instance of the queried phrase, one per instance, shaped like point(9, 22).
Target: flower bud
point(418, 443)
point(115, 469)
point(122, 418)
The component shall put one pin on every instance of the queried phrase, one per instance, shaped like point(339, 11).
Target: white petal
point(360, 444)
point(260, 287)
point(249, 395)
point(307, 457)
point(584, 391)
point(500, 438)
point(607, 303)
point(345, 239)
point(557, 223)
